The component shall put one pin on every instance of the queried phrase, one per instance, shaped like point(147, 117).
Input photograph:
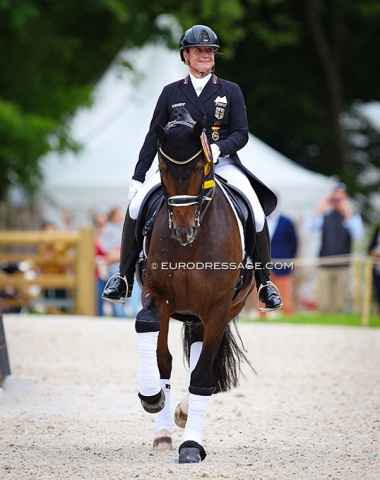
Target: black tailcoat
point(220, 105)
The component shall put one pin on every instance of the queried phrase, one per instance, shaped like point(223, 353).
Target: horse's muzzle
point(185, 236)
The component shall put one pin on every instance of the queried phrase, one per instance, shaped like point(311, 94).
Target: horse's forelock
point(180, 144)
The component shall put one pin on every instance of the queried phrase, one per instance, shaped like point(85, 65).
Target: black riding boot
point(120, 285)
point(267, 291)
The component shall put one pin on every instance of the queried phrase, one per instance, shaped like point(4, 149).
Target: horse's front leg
point(196, 338)
point(154, 368)
point(147, 328)
point(163, 426)
point(200, 390)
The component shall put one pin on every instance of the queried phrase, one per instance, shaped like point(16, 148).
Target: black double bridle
point(187, 200)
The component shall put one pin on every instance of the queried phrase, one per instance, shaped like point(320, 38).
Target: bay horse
point(194, 235)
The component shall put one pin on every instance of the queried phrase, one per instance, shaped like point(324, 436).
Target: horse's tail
point(227, 366)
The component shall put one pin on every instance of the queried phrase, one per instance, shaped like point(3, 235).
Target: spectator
point(10, 292)
point(54, 259)
point(340, 227)
point(374, 251)
point(284, 244)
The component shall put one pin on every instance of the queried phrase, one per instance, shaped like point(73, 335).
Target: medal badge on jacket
point(220, 106)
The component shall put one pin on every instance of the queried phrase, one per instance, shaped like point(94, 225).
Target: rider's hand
point(215, 150)
point(134, 187)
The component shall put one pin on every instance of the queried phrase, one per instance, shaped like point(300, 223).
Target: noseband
point(208, 182)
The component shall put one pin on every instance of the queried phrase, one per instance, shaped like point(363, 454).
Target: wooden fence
point(305, 284)
point(361, 270)
point(43, 252)
point(77, 259)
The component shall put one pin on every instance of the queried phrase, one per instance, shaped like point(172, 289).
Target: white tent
point(372, 111)
point(112, 132)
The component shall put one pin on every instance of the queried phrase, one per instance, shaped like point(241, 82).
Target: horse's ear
point(197, 130)
point(160, 132)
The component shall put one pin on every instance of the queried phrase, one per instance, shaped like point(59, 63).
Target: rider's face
point(200, 59)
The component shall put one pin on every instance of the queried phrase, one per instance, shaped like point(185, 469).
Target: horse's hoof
point(191, 452)
point(153, 404)
point(180, 417)
point(190, 455)
point(163, 441)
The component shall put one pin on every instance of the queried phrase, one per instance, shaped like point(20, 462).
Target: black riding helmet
point(198, 36)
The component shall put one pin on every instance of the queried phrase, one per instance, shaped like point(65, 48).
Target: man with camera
point(340, 227)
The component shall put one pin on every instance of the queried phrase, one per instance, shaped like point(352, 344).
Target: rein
point(208, 181)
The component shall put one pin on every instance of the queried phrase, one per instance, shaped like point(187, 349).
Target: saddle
point(150, 207)
point(154, 201)
point(246, 216)
point(245, 213)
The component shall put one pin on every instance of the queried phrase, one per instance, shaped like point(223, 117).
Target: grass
point(344, 319)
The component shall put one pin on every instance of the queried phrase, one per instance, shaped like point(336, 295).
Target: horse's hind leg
point(163, 427)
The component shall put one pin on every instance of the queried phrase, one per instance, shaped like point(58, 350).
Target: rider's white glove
point(134, 187)
point(215, 150)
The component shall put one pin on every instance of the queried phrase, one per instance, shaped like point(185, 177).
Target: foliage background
point(305, 67)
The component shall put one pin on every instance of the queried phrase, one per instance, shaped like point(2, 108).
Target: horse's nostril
point(191, 234)
point(184, 237)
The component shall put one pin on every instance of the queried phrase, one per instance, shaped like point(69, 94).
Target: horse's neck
point(219, 205)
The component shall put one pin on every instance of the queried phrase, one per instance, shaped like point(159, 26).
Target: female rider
point(221, 107)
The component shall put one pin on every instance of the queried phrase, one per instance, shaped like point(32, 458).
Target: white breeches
point(225, 169)
point(238, 179)
point(135, 205)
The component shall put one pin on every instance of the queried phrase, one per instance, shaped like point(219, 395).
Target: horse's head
point(181, 163)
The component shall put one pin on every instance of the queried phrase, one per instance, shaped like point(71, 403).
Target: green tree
point(52, 53)
point(303, 66)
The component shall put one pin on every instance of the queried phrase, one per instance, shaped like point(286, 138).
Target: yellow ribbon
point(207, 151)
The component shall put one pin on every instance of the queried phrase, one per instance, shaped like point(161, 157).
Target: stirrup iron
point(267, 284)
point(113, 300)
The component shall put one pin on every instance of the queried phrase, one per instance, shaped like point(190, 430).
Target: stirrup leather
point(112, 300)
point(266, 285)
